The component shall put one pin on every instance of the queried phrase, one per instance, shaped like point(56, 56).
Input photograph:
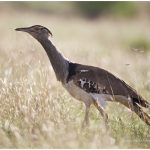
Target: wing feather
point(97, 80)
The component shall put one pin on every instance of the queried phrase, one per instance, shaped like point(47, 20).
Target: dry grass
point(36, 112)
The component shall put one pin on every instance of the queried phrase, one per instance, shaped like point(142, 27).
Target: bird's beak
point(23, 29)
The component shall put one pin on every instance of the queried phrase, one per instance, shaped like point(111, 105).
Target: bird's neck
point(59, 63)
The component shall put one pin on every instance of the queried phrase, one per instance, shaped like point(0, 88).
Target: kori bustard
point(91, 85)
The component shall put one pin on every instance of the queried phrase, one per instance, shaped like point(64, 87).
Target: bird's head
point(37, 31)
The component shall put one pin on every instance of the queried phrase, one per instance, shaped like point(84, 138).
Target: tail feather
point(144, 116)
point(135, 105)
point(141, 102)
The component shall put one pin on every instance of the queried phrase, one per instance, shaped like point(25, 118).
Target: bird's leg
point(101, 110)
point(86, 117)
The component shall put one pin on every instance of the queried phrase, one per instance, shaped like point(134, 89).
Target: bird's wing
point(99, 81)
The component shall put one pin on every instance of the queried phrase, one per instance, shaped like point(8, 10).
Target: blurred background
point(35, 111)
point(85, 9)
point(118, 14)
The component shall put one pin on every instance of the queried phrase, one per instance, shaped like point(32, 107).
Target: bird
point(88, 84)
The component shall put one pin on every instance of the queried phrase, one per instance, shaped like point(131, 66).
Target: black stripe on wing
point(90, 86)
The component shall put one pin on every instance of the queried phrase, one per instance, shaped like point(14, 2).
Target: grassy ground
point(36, 112)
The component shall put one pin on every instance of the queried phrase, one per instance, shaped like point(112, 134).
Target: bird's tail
point(141, 102)
point(135, 105)
point(138, 110)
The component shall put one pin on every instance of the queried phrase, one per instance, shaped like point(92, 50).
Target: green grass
point(93, 9)
point(37, 112)
point(140, 44)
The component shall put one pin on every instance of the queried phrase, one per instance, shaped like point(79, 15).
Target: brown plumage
point(91, 85)
point(100, 81)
